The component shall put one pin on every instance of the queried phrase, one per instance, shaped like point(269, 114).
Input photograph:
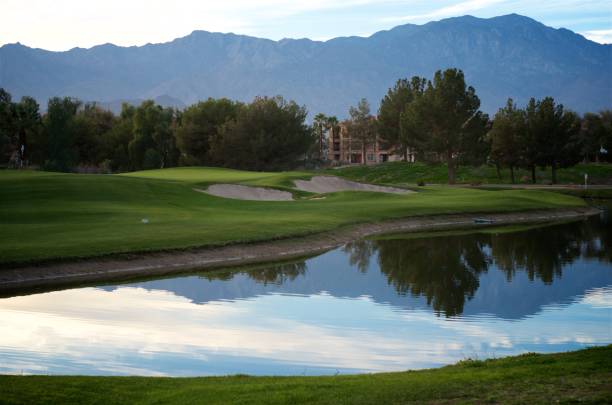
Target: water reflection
point(446, 269)
point(387, 304)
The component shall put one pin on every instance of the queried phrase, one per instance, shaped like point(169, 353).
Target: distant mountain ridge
point(506, 56)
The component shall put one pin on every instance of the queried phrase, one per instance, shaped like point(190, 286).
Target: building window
point(370, 156)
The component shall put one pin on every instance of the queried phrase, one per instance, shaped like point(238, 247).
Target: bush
point(421, 183)
point(106, 166)
point(152, 159)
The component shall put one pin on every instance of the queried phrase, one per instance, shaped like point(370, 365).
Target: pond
point(392, 303)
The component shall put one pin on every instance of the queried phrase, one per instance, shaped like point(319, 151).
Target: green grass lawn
point(48, 216)
point(584, 376)
point(401, 173)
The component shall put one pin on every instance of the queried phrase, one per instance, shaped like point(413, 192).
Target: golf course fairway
point(49, 216)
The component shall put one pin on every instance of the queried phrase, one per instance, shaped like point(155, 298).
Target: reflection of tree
point(445, 270)
point(278, 274)
point(542, 252)
point(597, 239)
point(273, 274)
point(359, 253)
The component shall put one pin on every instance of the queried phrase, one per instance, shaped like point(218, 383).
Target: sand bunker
point(247, 193)
point(329, 184)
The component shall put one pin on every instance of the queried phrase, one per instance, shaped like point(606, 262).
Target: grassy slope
point(410, 173)
point(584, 376)
point(51, 215)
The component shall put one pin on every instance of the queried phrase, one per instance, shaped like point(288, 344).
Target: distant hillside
point(503, 56)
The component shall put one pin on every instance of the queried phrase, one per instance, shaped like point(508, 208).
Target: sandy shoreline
point(21, 279)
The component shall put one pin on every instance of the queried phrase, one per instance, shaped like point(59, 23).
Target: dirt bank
point(23, 279)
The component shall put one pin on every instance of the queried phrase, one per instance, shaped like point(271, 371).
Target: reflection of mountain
point(509, 275)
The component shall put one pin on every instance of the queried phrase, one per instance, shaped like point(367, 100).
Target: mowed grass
point(46, 216)
point(215, 175)
point(402, 173)
point(577, 377)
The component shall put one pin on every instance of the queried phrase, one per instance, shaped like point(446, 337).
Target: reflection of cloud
point(154, 322)
point(599, 297)
point(128, 331)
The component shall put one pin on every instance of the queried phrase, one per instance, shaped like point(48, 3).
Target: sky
point(64, 24)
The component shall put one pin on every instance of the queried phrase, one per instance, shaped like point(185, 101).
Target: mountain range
point(507, 56)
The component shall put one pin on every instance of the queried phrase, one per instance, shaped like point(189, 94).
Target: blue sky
point(64, 24)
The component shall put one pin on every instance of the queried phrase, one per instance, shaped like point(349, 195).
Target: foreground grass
point(401, 173)
point(47, 216)
point(584, 376)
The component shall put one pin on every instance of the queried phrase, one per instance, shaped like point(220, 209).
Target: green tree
point(596, 135)
point(362, 127)
point(320, 125)
point(552, 136)
point(448, 113)
point(392, 107)
point(115, 142)
point(200, 123)
point(475, 145)
point(28, 125)
point(153, 145)
point(8, 141)
point(606, 141)
point(507, 136)
point(59, 130)
point(267, 134)
point(531, 143)
point(92, 124)
point(592, 133)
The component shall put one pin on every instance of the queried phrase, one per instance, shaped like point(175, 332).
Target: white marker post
point(586, 179)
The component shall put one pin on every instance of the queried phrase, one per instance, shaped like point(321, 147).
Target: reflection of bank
point(507, 274)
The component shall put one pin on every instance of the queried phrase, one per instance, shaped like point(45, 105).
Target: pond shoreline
point(121, 267)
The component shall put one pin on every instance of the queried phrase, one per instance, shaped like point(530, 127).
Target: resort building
point(342, 150)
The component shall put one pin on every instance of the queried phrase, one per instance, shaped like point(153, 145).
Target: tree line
point(436, 120)
point(440, 120)
point(268, 133)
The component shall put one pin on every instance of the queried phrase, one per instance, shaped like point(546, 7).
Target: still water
point(393, 303)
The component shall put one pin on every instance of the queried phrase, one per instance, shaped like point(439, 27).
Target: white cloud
point(601, 36)
point(458, 9)
point(63, 24)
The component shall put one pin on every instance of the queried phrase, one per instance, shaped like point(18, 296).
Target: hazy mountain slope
point(503, 56)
